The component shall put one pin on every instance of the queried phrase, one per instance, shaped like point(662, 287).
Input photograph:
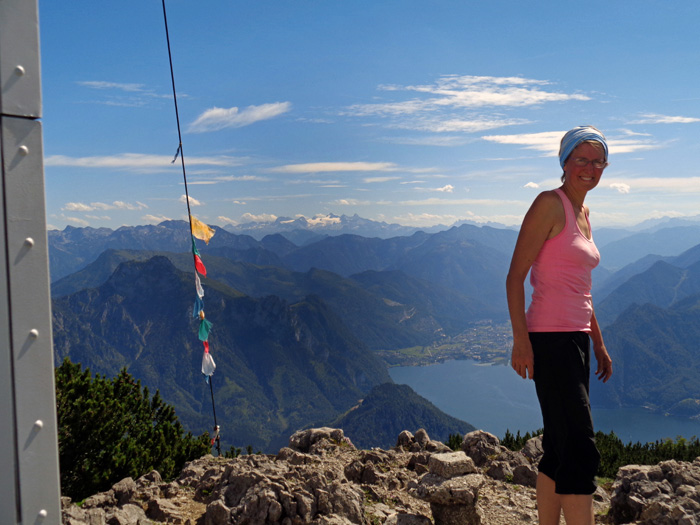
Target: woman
point(551, 339)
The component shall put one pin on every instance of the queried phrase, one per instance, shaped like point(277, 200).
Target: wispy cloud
point(263, 217)
point(100, 84)
point(351, 202)
point(652, 118)
point(620, 187)
point(216, 119)
point(468, 92)
point(681, 185)
point(154, 219)
point(124, 94)
point(329, 167)
point(226, 220)
point(373, 180)
point(548, 142)
point(193, 201)
point(228, 178)
point(433, 106)
point(116, 205)
point(448, 188)
point(134, 161)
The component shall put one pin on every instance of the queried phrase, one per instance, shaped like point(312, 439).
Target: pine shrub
point(110, 429)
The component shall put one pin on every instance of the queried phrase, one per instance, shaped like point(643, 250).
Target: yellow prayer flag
point(201, 230)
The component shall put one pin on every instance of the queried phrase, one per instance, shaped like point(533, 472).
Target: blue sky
point(405, 111)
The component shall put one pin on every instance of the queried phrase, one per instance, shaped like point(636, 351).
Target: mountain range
point(296, 324)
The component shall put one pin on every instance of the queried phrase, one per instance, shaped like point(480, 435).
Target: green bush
point(615, 454)
point(110, 429)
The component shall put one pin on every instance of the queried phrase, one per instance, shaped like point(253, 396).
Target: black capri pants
point(562, 374)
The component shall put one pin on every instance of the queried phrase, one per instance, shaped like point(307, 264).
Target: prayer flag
point(199, 265)
point(198, 285)
point(198, 307)
point(204, 329)
point(208, 365)
point(201, 230)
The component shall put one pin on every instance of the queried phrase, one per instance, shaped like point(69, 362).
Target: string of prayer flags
point(203, 232)
point(200, 230)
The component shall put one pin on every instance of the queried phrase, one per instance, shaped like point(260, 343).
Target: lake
point(494, 398)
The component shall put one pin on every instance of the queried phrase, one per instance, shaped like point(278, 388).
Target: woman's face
point(585, 177)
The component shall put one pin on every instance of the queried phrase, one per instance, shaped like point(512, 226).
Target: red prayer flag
point(199, 265)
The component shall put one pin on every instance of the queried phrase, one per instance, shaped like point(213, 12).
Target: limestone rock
point(661, 494)
point(322, 479)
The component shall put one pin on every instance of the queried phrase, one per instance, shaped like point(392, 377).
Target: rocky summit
point(322, 478)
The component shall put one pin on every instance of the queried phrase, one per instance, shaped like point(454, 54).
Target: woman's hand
point(523, 359)
point(605, 369)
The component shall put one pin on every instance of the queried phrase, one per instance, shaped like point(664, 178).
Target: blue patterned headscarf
point(575, 137)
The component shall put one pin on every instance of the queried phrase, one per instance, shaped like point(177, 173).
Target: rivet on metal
point(43, 513)
point(34, 333)
point(24, 151)
point(38, 424)
point(29, 241)
point(19, 71)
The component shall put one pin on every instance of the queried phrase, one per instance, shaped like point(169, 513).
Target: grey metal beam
point(29, 475)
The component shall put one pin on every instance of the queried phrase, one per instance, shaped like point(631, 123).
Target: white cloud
point(351, 202)
point(154, 219)
point(548, 142)
point(620, 187)
point(226, 220)
point(652, 118)
point(371, 180)
point(449, 188)
point(216, 119)
point(136, 161)
point(228, 178)
point(263, 217)
point(531, 185)
point(681, 185)
point(328, 167)
point(116, 205)
point(77, 206)
point(76, 220)
point(453, 91)
point(438, 125)
point(98, 84)
point(193, 201)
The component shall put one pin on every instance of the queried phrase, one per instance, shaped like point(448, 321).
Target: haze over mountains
point(298, 314)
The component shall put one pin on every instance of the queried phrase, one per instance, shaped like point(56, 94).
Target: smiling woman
point(551, 340)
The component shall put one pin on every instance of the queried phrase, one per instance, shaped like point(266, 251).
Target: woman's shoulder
point(548, 200)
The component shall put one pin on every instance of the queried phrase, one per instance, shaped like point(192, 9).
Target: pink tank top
point(561, 279)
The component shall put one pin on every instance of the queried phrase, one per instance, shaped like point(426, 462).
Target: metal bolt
point(19, 71)
point(43, 513)
point(24, 151)
point(29, 242)
point(34, 333)
point(38, 424)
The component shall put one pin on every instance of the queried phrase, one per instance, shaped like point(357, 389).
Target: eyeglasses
point(597, 164)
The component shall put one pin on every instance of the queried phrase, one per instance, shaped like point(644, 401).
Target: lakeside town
point(485, 341)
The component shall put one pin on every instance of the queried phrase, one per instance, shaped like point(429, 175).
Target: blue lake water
point(494, 398)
